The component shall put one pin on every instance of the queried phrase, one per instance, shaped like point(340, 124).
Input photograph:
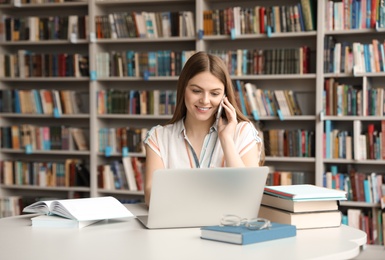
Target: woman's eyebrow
point(195, 85)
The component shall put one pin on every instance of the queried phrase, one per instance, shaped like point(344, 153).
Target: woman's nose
point(205, 98)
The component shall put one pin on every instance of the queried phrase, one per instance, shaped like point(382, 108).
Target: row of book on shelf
point(10, 206)
point(15, 2)
point(27, 64)
point(31, 138)
point(131, 63)
point(44, 138)
point(136, 102)
point(124, 174)
point(239, 62)
point(43, 101)
point(365, 142)
point(267, 61)
point(353, 57)
point(341, 99)
point(257, 102)
point(121, 140)
point(252, 100)
point(359, 186)
point(34, 28)
point(289, 143)
point(233, 20)
point(277, 177)
point(371, 222)
point(355, 14)
point(238, 20)
point(70, 173)
point(145, 24)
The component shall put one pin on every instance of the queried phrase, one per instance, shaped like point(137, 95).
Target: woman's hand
point(227, 126)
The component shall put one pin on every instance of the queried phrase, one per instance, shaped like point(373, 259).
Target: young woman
point(193, 138)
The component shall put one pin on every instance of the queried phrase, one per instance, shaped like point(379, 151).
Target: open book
point(84, 209)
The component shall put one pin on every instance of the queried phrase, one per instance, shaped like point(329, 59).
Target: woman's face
point(203, 95)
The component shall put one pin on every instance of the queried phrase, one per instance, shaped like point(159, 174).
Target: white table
point(128, 239)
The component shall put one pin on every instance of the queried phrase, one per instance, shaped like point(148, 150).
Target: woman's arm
point(226, 133)
point(153, 162)
point(250, 159)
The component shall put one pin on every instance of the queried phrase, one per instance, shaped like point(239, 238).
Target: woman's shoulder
point(168, 128)
point(248, 128)
point(245, 125)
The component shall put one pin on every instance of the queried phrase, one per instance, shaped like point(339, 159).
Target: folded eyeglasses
point(252, 224)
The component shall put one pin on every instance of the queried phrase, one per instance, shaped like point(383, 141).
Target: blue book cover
point(17, 106)
point(36, 96)
point(130, 63)
point(241, 97)
point(167, 63)
point(368, 13)
point(353, 15)
point(367, 58)
point(301, 21)
point(241, 235)
point(368, 196)
point(244, 62)
point(265, 97)
point(159, 62)
point(328, 129)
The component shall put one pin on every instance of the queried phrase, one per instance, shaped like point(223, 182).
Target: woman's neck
point(197, 128)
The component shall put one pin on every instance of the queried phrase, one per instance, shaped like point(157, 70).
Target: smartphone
point(220, 111)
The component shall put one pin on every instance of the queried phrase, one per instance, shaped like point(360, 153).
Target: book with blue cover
point(241, 235)
point(305, 192)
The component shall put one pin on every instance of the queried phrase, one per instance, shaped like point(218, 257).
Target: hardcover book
point(305, 192)
point(298, 206)
point(241, 235)
point(302, 220)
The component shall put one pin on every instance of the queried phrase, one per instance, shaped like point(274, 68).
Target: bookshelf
point(308, 84)
point(32, 77)
point(137, 81)
point(303, 84)
point(355, 123)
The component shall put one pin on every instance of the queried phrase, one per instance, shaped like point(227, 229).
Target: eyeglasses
point(252, 224)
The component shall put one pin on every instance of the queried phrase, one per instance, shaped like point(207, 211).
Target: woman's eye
point(196, 91)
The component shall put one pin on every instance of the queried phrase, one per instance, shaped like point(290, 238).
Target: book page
point(91, 208)
point(39, 207)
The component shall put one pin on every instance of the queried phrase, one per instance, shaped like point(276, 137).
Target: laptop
point(201, 196)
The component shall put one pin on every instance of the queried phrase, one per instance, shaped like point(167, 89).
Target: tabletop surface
point(128, 239)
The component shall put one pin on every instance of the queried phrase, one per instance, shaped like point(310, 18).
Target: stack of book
point(305, 206)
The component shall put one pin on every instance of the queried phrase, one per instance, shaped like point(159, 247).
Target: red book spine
point(373, 13)
point(383, 138)
point(371, 141)
point(262, 17)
